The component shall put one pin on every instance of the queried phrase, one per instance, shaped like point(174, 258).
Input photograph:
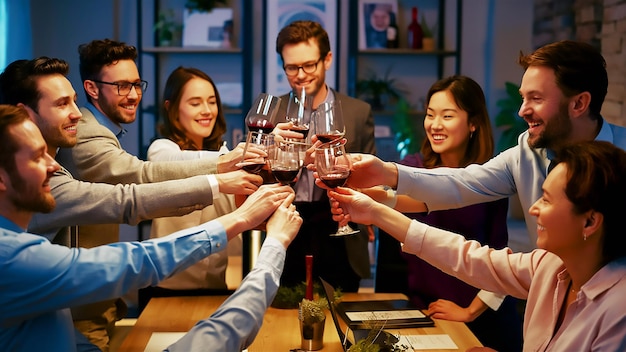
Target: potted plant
point(167, 29)
point(312, 316)
point(428, 39)
point(378, 91)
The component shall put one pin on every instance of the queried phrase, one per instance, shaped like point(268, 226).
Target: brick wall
point(601, 23)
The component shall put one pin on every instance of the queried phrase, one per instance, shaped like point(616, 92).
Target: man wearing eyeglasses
point(114, 89)
point(342, 261)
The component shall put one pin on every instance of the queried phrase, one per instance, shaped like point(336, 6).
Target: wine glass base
point(344, 231)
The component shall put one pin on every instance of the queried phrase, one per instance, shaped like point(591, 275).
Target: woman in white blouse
point(192, 128)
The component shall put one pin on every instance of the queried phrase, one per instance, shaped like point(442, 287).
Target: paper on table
point(428, 342)
point(385, 315)
point(161, 340)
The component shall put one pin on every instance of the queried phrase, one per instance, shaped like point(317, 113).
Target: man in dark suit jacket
point(342, 261)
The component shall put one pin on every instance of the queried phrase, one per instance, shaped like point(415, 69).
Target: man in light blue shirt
point(563, 89)
point(40, 281)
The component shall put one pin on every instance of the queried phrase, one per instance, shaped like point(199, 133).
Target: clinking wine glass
point(328, 122)
point(333, 166)
point(262, 113)
point(259, 141)
point(284, 160)
point(299, 109)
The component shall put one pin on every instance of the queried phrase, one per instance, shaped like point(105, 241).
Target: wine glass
point(299, 109)
point(328, 122)
point(262, 113)
point(259, 140)
point(333, 167)
point(284, 159)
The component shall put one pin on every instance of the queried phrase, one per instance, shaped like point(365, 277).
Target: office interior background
point(485, 37)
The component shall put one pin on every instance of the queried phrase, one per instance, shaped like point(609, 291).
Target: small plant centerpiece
point(378, 340)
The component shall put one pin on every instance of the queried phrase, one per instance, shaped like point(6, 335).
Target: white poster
point(322, 11)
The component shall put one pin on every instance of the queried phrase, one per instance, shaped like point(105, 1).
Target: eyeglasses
point(123, 88)
point(292, 70)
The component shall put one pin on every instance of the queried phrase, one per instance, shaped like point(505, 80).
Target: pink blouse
point(596, 321)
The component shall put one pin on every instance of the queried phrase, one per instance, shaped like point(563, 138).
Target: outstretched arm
point(248, 304)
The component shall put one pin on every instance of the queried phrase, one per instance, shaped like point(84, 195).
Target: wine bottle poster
point(280, 13)
point(375, 16)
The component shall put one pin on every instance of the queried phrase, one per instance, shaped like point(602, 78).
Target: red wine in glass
point(301, 129)
point(329, 137)
point(260, 125)
point(335, 180)
point(285, 176)
point(252, 167)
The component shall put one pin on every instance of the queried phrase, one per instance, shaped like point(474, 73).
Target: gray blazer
point(80, 203)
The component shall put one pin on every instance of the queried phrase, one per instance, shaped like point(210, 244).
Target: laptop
point(350, 317)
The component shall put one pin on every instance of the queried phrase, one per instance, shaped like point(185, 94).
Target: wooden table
point(280, 331)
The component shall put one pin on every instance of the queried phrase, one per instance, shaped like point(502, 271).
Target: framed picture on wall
point(374, 18)
point(279, 14)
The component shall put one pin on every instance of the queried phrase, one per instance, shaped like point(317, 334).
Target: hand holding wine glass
point(333, 167)
point(258, 142)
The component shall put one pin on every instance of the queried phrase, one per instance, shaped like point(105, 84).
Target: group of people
point(63, 172)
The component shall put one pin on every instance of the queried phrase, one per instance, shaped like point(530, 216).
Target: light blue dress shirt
point(520, 170)
point(39, 281)
point(235, 324)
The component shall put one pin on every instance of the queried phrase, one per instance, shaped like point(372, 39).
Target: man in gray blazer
point(342, 261)
point(50, 102)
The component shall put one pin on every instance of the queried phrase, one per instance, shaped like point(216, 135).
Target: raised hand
point(238, 182)
point(368, 171)
point(228, 162)
point(285, 222)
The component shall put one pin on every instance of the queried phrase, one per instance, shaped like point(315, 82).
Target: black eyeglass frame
point(312, 68)
point(140, 86)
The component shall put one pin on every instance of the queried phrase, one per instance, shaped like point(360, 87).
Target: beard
point(110, 110)
point(27, 198)
point(555, 132)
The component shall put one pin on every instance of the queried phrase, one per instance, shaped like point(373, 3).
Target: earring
point(584, 236)
point(471, 134)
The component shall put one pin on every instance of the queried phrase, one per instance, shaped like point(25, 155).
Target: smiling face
point(447, 128)
point(119, 109)
point(314, 83)
point(544, 108)
point(27, 188)
point(559, 228)
point(57, 113)
point(198, 110)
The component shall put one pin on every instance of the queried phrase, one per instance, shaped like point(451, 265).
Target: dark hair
point(99, 53)
point(10, 115)
point(469, 96)
point(578, 67)
point(171, 127)
point(18, 82)
point(301, 31)
point(596, 171)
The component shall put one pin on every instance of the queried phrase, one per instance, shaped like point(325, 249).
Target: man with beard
point(114, 90)
point(563, 88)
point(42, 88)
point(40, 280)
